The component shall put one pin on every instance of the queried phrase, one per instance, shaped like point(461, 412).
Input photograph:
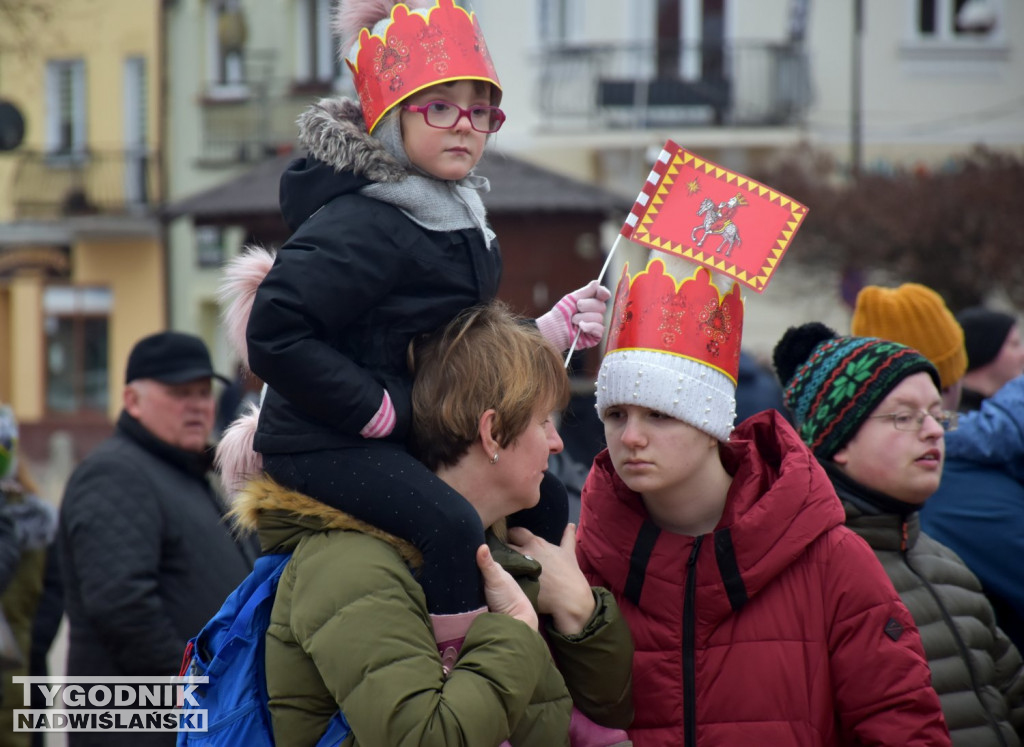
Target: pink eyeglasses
point(444, 115)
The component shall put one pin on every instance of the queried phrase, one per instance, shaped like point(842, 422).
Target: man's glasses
point(914, 421)
point(444, 115)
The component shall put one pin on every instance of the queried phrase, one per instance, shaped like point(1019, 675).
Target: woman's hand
point(501, 591)
point(564, 591)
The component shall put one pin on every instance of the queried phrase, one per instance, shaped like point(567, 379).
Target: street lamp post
point(856, 90)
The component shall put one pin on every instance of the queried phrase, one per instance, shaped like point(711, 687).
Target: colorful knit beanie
point(832, 383)
point(985, 333)
point(913, 315)
point(674, 346)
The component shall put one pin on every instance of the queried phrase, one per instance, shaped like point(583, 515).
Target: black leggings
point(383, 485)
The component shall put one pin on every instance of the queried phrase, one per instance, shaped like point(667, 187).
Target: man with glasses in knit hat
point(976, 510)
point(871, 412)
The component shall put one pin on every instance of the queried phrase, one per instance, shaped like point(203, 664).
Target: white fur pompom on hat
point(352, 16)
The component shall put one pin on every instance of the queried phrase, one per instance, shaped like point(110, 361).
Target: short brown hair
point(486, 358)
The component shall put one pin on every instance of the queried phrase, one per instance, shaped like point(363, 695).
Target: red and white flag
point(715, 217)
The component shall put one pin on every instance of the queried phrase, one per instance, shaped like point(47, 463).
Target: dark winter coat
point(978, 510)
point(757, 389)
point(361, 639)
point(10, 553)
point(35, 523)
point(976, 671)
point(355, 283)
point(146, 556)
point(779, 628)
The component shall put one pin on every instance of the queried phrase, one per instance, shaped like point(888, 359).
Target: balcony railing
point(251, 128)
point(54, 185)
point(255, 118)
point(605, 86)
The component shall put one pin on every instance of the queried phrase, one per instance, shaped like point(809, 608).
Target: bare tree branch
point(956, 230)
point(21, 22)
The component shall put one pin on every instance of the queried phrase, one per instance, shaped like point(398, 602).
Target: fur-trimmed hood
point(282, 517)
point(341, 157)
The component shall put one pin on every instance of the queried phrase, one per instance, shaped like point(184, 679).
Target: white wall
point(921, 102)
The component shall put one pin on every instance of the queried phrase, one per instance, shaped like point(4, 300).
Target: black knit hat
point(170, 357)
point(985, 331)
point(832, 383)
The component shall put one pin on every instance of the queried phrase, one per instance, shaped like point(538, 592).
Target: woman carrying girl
point(350, 627)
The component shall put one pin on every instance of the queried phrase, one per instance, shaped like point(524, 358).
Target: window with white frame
point(957, 21)
point(135, 130)
point(77, 344)
point(209, 246)
point(65, 107)
point(316, 57)
point(701, 27)
point(226, 36)
point(559, 21)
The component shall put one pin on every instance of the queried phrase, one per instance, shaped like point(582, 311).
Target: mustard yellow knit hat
point(913, 315)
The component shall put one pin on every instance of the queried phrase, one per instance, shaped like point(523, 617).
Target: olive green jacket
point(350, 629)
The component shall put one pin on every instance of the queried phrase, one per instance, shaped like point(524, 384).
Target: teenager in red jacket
point(757, 617)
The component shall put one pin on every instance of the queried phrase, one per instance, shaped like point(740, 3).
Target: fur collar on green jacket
point(282, 516)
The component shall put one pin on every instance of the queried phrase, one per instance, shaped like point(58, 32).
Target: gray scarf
point(435, 204)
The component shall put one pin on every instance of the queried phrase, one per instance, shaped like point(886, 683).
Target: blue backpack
point(230, 651)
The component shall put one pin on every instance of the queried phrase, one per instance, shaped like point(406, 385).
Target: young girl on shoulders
point(390, 240)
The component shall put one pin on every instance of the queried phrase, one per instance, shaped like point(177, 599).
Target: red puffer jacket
point(780, 628)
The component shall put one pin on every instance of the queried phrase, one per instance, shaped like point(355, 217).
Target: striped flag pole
point(650, 187)
point(635, 214)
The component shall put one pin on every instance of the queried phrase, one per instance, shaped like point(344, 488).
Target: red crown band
point(691, 319)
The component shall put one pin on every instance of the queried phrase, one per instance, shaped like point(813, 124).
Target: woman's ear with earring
point(485, 434)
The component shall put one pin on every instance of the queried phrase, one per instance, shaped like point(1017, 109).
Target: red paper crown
point(691, 319)
point(418, 50)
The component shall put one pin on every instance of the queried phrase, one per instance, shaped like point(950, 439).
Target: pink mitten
point(585, 733)
point(581, 311)
point(383, 422)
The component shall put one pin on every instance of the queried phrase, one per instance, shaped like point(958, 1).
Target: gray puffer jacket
point(976, 670)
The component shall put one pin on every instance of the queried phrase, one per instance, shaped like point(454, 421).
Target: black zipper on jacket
point(965, 654)
point(689, 647)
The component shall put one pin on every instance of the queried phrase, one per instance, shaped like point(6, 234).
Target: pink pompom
point(235, 457)
point(352, 16)
point(242, 276)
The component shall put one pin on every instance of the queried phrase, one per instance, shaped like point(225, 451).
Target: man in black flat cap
point(146, 555)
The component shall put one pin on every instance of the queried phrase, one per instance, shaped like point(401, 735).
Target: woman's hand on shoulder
point(565, 593)
point(501, 591)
